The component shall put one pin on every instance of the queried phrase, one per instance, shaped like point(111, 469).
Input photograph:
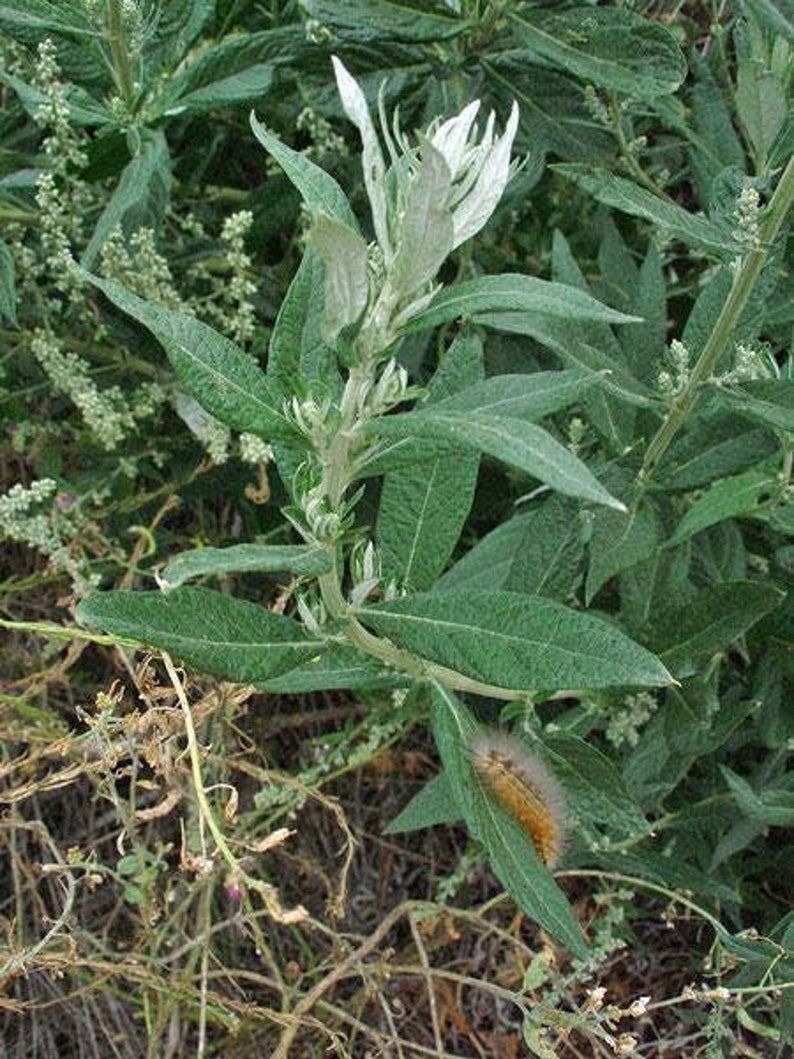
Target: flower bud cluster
point(674, 378)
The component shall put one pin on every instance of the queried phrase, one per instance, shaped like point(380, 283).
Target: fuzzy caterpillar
point(525, 787)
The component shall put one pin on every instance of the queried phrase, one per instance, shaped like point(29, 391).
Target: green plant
point(472, 465)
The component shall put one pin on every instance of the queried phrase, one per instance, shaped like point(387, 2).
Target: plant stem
point(743, 284)
point(117, 39)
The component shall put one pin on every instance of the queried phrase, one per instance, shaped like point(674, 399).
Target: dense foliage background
point(152, 900)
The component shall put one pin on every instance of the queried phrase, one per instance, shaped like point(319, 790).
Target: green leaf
point(554, 117)
point(613, 48)
point(595, 792)
point(670, 872)
point(344, 253)
point(761, 98)
point(575, 344)
point(241, 87)
point(298, 353)
point(235, 54)
point(727, 498)
point(510, 851)
point(338, 667)
point(319, 190)
point(223, 378)
point(140, 197)
point(718, 144)
point(215, 633)
point(538, 552)
point(772, 808)
point(686, 632)
point(434, 804)
point(8, 295)
point(515, 641)
point(374, 19)
point(423, 508)
point(766, 400)
point(692, 724)
point(524, 446)
point(622, 194)
point(515, 293)
point(84, 109)
point(31, 20)
point(244, 558)
point(620, 540)
point(713, 449)
point(530, 397)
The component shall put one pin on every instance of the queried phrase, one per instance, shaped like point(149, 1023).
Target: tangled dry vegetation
point(131, 929)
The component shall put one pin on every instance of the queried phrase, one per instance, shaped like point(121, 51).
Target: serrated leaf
point(319, 190)
point(513, 292)
point(613, 48)
point(218, 373)
point(515, 641)
point(244, 558)
point(728, 498)
point(524, 446)
point(140, 196)
point(710, 621)
point(215, 633)
point(510, 851)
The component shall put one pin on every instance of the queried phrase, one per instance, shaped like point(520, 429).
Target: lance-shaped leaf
point(140, 196)
point(355, 106)
point(423, 507)
point(524, 446)
point(531, 396)
point(625, 195)
point(510, 851)
point(215, 633)
point(515, 641)
point(319, 190)
point(244, 558)
point(513, 292)
point(218, 373)
point(426, 230)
